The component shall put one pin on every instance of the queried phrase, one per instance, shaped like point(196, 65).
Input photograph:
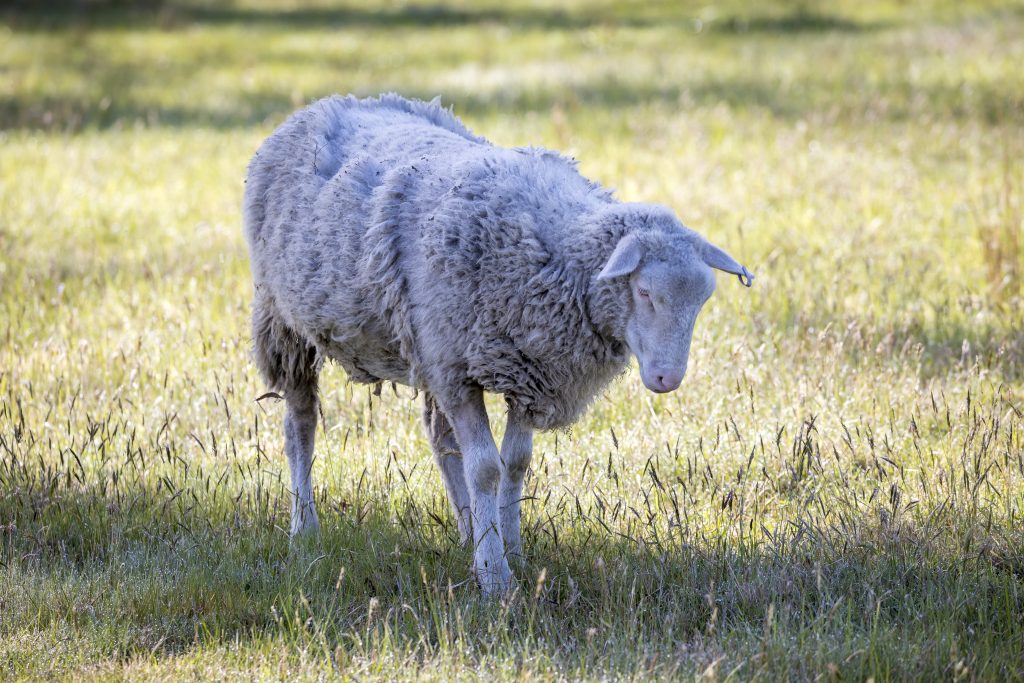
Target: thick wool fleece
point(386, 236)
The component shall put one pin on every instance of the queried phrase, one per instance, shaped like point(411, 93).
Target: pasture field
point(835, 493)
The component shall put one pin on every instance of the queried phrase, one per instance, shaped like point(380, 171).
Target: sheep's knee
point(484, 472)
point(516, 450)
point(517, 462)
point(481, 461)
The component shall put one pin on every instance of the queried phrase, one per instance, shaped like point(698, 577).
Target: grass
point(836, 492)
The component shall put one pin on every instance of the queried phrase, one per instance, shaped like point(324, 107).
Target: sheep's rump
point(383, 234)
point(314, 191)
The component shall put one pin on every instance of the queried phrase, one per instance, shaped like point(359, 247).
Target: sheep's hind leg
point(289, 363)
point(483, 472)
point(449, 460)
point(299, 436)
point(516, 452)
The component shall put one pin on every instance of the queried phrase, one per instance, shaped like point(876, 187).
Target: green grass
point(837, 491)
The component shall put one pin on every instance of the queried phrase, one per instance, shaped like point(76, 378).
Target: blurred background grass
point(836, 490)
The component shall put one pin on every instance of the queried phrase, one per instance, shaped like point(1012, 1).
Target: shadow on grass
point(940, 340)
point(113, 82)
point(179, 559)
point(75, 114)
point(793, 19)
point(945, 349)
point(72, 114)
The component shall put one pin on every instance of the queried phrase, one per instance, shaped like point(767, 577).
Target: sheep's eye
point(645, 293)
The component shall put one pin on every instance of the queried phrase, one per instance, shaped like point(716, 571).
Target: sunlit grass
point(836, 490)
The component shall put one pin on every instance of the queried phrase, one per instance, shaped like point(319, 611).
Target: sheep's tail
point(285, 359)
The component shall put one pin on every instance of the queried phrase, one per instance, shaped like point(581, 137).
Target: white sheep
point(386, 236)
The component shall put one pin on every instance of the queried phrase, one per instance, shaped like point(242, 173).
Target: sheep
point(387, 237)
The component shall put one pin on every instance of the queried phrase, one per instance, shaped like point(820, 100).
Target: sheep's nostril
point(670, 381)
point(664, 381)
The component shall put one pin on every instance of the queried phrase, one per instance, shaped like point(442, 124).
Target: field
point(836, 492)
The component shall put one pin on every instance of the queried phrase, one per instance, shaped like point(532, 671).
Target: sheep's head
point(669, 271)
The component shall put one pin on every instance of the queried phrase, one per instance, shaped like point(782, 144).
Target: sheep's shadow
point(180, 563)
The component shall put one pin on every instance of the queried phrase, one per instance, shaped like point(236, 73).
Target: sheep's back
point(319, 200)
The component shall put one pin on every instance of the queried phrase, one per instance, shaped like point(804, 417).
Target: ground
point(836, 491)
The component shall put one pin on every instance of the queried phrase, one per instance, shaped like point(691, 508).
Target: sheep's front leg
point(299, 434)
point(482, 465)
point(516, 451)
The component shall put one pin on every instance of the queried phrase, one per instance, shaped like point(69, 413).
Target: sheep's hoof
point(496, 582)
point(305, 525)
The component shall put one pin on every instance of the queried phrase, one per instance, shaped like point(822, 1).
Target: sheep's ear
point(718, 258)
point(623, 260)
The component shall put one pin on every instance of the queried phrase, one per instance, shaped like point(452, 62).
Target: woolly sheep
point(386, 236)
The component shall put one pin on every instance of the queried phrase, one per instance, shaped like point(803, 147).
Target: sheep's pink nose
point(662, 381)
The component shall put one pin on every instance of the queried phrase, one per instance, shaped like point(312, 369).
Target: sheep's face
point(667, 297)
point(670, 279)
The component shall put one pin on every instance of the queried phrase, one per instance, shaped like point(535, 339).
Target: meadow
point(836, 492)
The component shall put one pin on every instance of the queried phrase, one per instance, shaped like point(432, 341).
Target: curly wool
point(386, 236)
